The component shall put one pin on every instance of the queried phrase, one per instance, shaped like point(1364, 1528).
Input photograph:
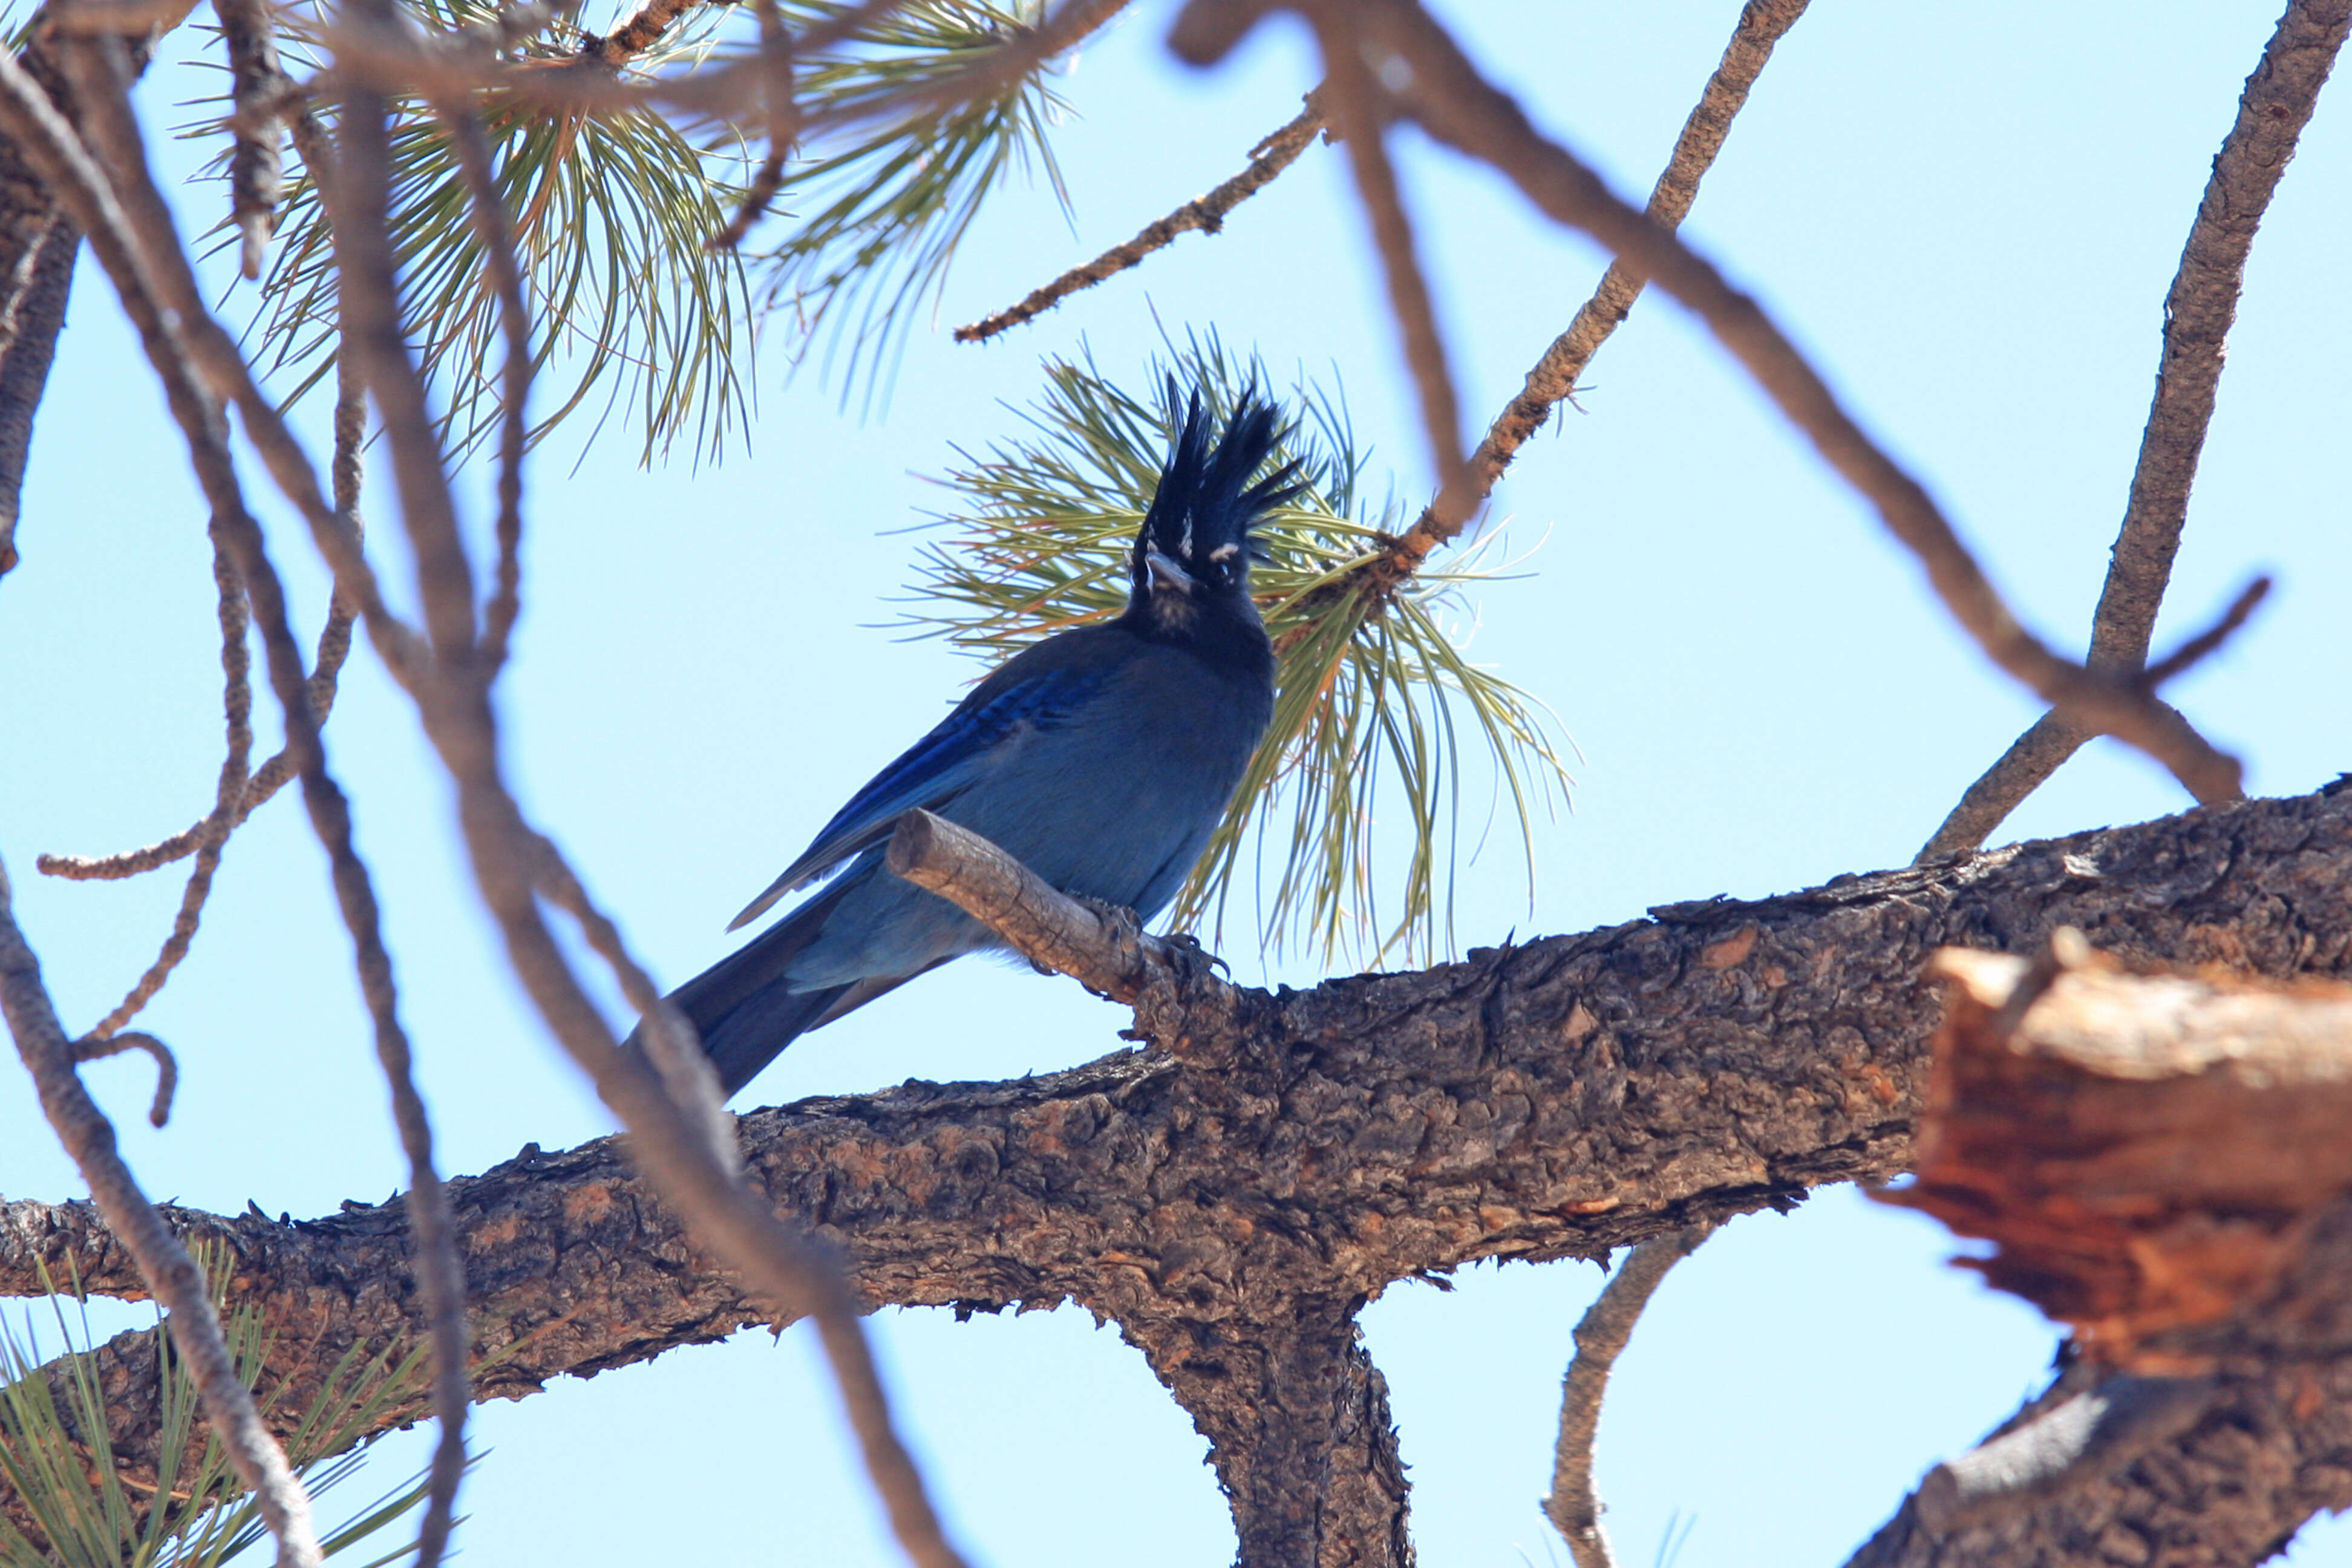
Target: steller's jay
point(1101, 758)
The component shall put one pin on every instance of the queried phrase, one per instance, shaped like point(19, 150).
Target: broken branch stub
point(2154, 1155)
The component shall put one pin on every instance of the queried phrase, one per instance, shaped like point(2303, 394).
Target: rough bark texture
point(1231, 1195)
point(38, 246)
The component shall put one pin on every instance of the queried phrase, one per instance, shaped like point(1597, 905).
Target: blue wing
point(934, 771)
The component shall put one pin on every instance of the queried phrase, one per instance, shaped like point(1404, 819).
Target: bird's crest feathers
point(1198, 528)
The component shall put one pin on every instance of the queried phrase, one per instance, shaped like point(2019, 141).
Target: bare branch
point(1206, 213)
point(167, 1067)
point(168, 1271)
point(1532, 1101)
point(102, 86)
point(509, 859)
point(783, 125)
point(212, 833)
point(1104, 951)
point(1457, 105)
point(2207, 643)
point(1358, 110)
point(1762, 23)
point(1602, 1336)
point(392, 61)
point(256, 160)
point(497, 239)
point(2275, 106)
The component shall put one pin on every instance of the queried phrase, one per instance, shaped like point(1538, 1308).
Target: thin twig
point(97, 68)
point(496, 236)
point(509, 861)
point(1762, 24)
point(341, 536)
point(2274, 107)
point(50, 144)
point(1205, 214)
point(2207, 643)
point(90, 1049)
point(672, 1046)
point(1358, 109)
point(1455, 103)
point(1602, 1335)
point(390, 61)
point(257, 165)
point(170, 1275)
point(783, 125)
point(212, 834)
point(125, 18)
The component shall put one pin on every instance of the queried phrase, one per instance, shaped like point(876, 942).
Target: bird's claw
point(1191, 958)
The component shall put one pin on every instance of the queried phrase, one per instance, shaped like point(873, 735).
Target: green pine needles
point(1350, 822)
point(633, 312)
point(57, 1457)
point(611, 215)
point(878, 209)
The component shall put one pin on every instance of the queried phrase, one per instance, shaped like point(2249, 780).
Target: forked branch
point(2274, 108)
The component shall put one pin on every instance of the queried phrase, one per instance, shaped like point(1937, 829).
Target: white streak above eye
point(1224, 553)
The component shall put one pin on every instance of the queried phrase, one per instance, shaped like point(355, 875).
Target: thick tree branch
point(1560, 1099)
point(2275, 106)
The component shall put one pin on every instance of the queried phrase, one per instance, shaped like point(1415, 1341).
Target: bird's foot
point(1191, 960)
point(1126, 925)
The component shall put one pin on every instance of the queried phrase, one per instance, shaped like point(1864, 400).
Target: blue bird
point(1102, 758)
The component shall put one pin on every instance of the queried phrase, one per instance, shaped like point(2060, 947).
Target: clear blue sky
point(1971, 213)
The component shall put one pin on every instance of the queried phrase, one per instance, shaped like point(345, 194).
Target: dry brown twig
point(394, 60)
point(91, 1049)
point(495, 234)
point(2274, 108)
point(1358, 110)
point(1762, 24)
point(143, 246)
point(1448, 96)
point(783, 125)
point(1602, 1335)
point(1105, 951)
point(510, 860)
point(210, 834)
point(1205, 214)
point(338, 529)
point(103, 88)
point(256, 157)
point(171, 1274)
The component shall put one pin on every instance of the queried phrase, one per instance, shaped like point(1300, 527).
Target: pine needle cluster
point(58, 1458)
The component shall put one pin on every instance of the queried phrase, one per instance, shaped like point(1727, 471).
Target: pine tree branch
point(1537, 1102)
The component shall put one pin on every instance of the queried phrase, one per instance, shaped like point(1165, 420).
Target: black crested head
point(1191, 563)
